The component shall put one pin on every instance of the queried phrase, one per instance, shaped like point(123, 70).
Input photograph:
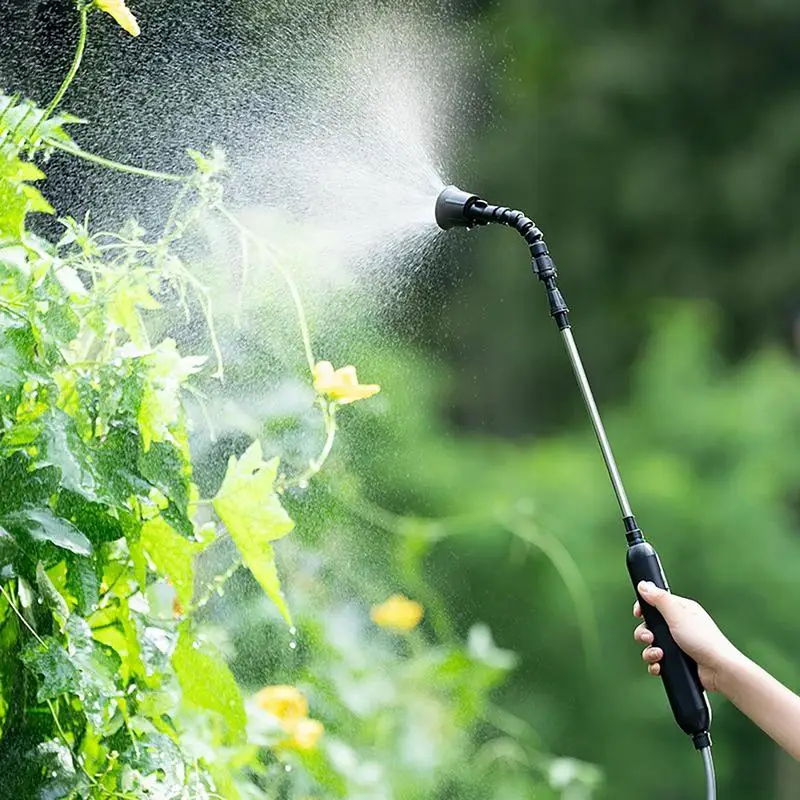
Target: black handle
point(679, 672)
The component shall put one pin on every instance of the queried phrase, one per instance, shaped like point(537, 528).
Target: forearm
point(765, 700)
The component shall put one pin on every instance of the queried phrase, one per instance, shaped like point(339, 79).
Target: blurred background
point(657, 145)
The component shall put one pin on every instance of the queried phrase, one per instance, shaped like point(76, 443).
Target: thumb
point(657, 597)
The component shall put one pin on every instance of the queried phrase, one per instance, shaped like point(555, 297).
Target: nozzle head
point(452, 208)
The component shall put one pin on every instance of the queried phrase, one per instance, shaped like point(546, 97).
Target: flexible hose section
point(524, 225)
point(711, 781)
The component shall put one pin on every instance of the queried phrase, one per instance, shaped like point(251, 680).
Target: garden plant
point(114, 683)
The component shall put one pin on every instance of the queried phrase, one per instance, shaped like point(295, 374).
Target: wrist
point(729, 670)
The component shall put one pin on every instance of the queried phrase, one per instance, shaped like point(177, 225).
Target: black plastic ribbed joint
point(702, 740)
point(544, 267)
point(632, 533)
point(558, 308)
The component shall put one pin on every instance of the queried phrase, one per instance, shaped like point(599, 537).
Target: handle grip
point(679, 672)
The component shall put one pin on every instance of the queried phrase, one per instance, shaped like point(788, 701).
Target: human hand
point(693, 630)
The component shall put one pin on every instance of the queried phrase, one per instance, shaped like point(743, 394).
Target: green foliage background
point(656, 145)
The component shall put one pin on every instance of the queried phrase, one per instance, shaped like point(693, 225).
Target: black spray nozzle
point(453, 208)
point(456, 208)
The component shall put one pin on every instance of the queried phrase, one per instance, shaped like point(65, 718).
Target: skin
point(722, 667)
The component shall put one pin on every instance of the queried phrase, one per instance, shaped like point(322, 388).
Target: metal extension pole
point(457, 208)
point(597, 422)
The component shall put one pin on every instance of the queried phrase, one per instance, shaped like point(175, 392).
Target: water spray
point(459, 209)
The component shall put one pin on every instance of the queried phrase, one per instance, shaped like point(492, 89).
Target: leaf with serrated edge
point(251, 511)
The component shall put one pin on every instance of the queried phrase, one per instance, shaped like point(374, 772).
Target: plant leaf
point(53, 599)
point(83, 582)
point(172, 555)
point(160, 412)
point(43, 525)
point(51, 662)
point(17, 197)
point(208, 683)
point(251, 511)
point(62, 447)
point(17, 352)
point(94, 520)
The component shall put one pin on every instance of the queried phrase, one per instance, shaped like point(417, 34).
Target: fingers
point(652, 655)
point(643, 634)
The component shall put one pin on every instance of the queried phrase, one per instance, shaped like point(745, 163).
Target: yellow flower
point(284, 702)
point(398, 613)
point(121, 13)
point(305, 735)
point(341, 385)
point(290, 708)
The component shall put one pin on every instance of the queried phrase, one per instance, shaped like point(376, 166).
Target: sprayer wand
point(688, 700)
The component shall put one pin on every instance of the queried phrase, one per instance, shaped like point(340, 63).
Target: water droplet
point(293, 630)
point(196, 644)
point(293, 645)
point(288, 767)
point(39, 600)
point(53, 774)
point(303, 484)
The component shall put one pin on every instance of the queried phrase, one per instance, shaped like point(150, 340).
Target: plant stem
point(315, 465)
point(570, 574)
point(301, 316)
point(22, 619)
point(208, 312)
point(118, 166)
point(243, 282)
point(292, 286)
point(73, 71)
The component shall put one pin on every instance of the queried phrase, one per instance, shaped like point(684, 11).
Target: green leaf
point(17, 358)
point(118, 465)
point(17, 196)
point(160, 413)
point(62, 447)
point(42, 525)
point(10, 555)
point(166, 468)
point(83, 582)
point(52, 663)
point(84, 669)
point(207, 683)
point(98, 667)
point(23, 486)
point(253, 514)
point(128, 293)
point(172, 555)
point(154, 753)
point(60, 319)
point(54, 764)
point(22, 118)
point(96, 521)
point(52, 597)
